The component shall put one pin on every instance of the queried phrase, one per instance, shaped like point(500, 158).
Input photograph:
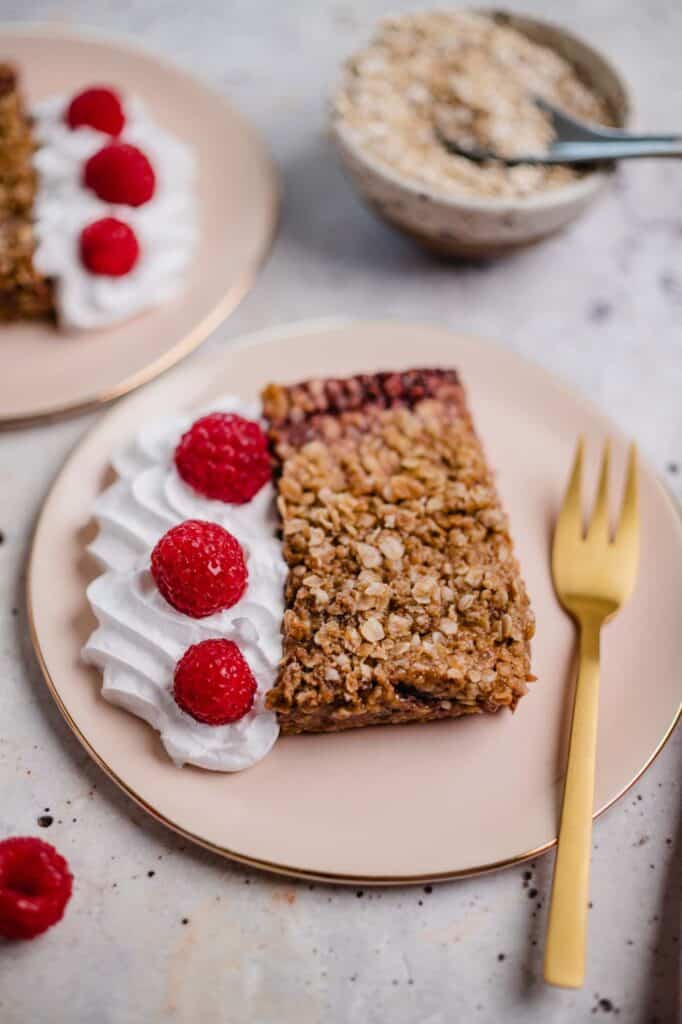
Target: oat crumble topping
point(475, 79)
point(404, 601)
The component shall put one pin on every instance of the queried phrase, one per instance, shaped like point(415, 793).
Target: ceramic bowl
point(468, 227)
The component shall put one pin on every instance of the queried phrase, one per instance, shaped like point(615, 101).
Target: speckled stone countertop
point(160, 931)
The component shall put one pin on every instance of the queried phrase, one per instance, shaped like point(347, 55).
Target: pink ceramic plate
point(48, 373)
point(401, 803)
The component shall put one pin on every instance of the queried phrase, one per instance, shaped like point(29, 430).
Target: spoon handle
point(611, 149)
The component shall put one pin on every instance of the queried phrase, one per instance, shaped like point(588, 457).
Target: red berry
point(35, 886)
point(99, 107)
point(213, 683)
point(225, 457)
point(119, 173)
point(109, 246)
point(199, 568)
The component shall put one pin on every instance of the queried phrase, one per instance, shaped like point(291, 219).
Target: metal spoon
point(577, 143)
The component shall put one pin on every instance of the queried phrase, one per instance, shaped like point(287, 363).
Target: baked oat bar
point(404, 601)
point(24, 293)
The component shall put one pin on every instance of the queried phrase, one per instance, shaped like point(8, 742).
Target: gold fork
point(593, 577)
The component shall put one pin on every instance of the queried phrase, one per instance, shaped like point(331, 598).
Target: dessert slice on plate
point(372, 581)
point(404, 601)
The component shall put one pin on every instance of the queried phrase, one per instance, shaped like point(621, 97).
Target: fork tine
point(628, 526)
point(599, 526)
point(569, 523)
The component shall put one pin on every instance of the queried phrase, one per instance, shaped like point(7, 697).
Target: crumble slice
point(404, 601)
point(24, 293)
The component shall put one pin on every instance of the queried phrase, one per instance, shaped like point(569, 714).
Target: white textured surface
point(601, 306)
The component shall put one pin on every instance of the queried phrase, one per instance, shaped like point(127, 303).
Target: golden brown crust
point(404, 601)
point(24, 293)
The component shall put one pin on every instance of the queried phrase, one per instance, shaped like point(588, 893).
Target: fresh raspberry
point(199, 568)
point(119, 173)
point(213, 683)
point(99, 107)
point(35, 886)
point(109, 246)
point(225, 457)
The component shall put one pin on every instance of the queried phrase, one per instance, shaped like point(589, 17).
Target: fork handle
point(566, 935)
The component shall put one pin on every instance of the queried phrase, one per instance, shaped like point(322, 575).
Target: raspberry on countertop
point(35, 886)
point(224, 457)
point(213, 683)
point(199, 568)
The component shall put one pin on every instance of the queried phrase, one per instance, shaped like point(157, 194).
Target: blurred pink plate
point(402, 803)
point(47, 372)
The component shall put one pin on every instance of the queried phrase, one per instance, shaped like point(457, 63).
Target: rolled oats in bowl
point(472, 77)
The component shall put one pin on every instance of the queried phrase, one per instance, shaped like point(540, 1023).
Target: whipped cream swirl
point(166, 226)
point(140, 637)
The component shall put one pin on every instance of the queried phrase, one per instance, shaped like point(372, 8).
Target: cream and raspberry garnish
point(190, 629)
point(199, 567)
point(115, 215)
point(116, 173)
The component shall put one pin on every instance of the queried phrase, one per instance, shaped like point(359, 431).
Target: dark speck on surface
point(670, 285)
point(150, 874)
point(420, 903)
point(2, 537)
point(185, 920)
point(527, 875)
point(532, 893)
point(600, 311)
point(673, 467)
point(359, 894)
point(428, 889)
point(500, 957)
point(45, 820)
point(590, 904)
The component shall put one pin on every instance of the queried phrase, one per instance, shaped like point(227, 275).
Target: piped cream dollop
point(166, 226)
point(140, 637)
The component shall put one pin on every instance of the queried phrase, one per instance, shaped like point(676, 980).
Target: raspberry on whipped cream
point(98, 107)
point(120, 173)
point(109, 246)
point(213, 683)
point(199, 568)
point(225, 457)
